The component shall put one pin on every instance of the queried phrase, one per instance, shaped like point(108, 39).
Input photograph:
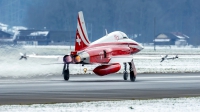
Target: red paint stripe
point(82, 29)
point(112, 43)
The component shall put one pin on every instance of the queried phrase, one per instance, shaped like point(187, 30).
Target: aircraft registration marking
point(116, 37)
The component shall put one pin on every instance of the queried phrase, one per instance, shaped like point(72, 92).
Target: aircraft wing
point(146, 57)
point(58, 57)
point(45, 56)
point(166, 57)
point(120, 59)
point(169, 57)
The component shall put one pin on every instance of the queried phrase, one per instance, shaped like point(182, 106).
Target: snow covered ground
point(153, 105)
point(12, 67)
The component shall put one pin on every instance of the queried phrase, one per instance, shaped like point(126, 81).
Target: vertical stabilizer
point(82, 40)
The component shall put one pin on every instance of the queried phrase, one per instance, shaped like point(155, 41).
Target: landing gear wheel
point(125, 76)
point(132, 71)
point(66, 75)
point(132, 76)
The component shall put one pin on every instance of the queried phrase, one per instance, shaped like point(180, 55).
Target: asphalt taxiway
point(94, 88)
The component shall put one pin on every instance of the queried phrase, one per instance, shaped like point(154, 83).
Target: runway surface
point(94, 88)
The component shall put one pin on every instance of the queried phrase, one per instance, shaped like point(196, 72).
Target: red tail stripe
point(82, 29)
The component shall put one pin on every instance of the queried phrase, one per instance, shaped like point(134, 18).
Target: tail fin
point(82, 40)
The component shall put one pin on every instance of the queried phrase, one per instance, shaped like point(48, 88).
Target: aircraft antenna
point(106, 32)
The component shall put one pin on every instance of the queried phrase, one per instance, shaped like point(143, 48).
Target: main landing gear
point(132, 71)
point(125, 76)
point(66, 72)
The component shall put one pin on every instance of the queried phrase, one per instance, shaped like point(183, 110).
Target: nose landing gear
point(132, 70)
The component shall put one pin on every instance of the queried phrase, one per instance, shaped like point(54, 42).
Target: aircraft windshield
point(125, 37)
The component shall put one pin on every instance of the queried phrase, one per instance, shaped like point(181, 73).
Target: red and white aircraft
point(108, 51)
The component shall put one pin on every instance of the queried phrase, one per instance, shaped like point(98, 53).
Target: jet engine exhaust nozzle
point(67, 59)
point(77, 59)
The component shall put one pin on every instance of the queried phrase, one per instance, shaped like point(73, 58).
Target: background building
point(5, 37)
point(32, 37)
point(172, 38)
point(44, 37)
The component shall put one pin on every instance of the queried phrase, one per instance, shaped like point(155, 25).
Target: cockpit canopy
point(116, 36)
point(123, 35)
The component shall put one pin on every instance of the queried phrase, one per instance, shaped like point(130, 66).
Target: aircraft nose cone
point(140, 47)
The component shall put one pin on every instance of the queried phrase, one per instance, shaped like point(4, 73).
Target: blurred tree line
point(134, 17)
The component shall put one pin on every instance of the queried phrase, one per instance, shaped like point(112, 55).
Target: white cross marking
point(78, 40)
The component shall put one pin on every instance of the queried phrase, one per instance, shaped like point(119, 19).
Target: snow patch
point(155, 105)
